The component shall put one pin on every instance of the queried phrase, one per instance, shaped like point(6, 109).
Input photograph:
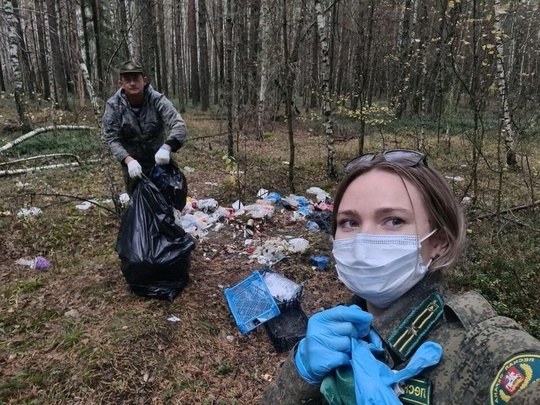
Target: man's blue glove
point(327, 344)
point(163, 156)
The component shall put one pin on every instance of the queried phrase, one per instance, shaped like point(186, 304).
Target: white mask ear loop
point(420, 242)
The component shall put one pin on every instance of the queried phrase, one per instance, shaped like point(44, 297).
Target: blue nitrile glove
point(374, 381)
point(163, 156)
point(327, 344)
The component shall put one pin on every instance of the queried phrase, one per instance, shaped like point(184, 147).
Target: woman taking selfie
point(405, 338)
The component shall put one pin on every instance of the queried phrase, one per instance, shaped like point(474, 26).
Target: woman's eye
point(348, 223)
point(394, 222)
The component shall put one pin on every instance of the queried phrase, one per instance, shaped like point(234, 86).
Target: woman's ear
point(439, 244)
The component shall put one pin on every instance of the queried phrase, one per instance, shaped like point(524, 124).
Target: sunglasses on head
point(404, 157)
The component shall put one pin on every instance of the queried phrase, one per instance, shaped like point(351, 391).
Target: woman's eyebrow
point(389, 210)
point(347, 213)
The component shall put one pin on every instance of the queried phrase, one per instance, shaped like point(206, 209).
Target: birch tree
point(507, 130)
point(16, 65)
point(325, 90)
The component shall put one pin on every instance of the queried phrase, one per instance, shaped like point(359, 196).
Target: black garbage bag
point(172, 184)
point(154, 250)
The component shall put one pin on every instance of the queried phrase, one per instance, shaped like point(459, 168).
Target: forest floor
point(77, 334)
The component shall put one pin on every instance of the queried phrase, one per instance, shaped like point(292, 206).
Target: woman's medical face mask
point(380, 268)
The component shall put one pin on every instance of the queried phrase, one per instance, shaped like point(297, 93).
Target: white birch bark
point(129, 19)
point(507, 129)
point(325, 90)
point(16, 64)
point(84, 69)
point(49, 56)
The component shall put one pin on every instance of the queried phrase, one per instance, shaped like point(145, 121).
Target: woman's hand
point(327, 344)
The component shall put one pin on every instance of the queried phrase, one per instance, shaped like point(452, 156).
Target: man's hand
point(163, 155)
point(134, 169)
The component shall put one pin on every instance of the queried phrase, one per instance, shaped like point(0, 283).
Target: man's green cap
point(131, 67)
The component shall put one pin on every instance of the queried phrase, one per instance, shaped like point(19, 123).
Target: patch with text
point(417, 391)
point(515, 375)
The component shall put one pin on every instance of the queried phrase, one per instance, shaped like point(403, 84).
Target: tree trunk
point(161, 49)
point(254, 48)
point(16, 65)
point(404, 59)
point(264, 62)
point(229, 79)
point(192, 40)
point(506, 118)
point(315, 43)
point(81, 57)
point(97, 37)
point(203, 57)
point(58, 69)
point(325, 90)
point(289, 84)
point(42, 52)
point(2, 81)
point(29, 78)
point(129, 29)
point(179, 41)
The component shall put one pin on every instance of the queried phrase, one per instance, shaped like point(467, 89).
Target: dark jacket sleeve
point(174, 122)
point(289, 388)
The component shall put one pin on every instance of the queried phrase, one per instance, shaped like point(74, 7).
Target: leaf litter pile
point(76, 334)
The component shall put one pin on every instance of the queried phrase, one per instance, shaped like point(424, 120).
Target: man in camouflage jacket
point(134, 125)
point(487, 359)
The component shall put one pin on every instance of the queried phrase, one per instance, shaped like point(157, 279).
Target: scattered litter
point(210, 183)
point(260, 210)
point(455, 178)
point(38, 263)
point(466, 200)
point(251, 302)
point(313, 226)
point(282, 289)
point(298, 245)
point(320, 194)
point(237, 205)
point(30, 212)
point(124, 198)
point(21, 185)
point(273, 197)
point(208, 205)
point(320, 262)
point(323, 219)
point(188, 169)
point(84, 206)
point(262, 193)
point(173, 318)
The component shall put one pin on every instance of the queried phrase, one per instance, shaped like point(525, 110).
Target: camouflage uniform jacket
point(140, 134)
point(487, 359)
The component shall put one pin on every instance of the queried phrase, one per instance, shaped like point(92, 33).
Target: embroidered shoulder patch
point(515, 375)
point(417, 391)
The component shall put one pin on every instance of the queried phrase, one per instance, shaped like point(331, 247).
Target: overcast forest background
point(276, 94)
